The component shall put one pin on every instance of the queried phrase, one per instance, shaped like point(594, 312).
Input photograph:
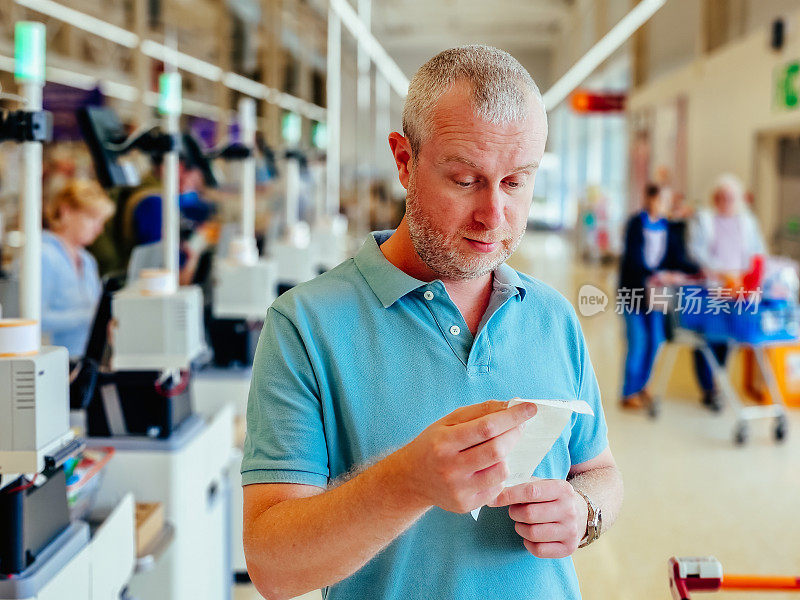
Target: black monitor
point(98, 336)
point(194, 156)
point(103, 131)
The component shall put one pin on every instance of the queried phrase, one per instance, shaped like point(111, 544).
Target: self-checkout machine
point(329, 231)
point(293, 252)
point(141, 406)
point(244, 287)
point(244, 283)
point(46, 553)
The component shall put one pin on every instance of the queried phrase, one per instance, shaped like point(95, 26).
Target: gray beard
point(438, 251)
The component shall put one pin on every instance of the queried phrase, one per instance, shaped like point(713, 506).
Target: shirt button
point(455, 330)
point(428, 295)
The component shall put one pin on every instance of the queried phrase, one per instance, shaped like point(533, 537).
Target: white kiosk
point(245, 285)
point(164, 452)
point(44, 555)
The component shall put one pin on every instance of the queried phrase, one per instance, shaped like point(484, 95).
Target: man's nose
point(490, 210)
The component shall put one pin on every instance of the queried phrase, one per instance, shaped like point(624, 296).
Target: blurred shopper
point(141, 219)
point(653, 255)
point(723, 240)
point(680, 213)
point(70, 281)
point(593, 232)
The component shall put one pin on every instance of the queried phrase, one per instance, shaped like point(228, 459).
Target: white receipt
point(538, 437)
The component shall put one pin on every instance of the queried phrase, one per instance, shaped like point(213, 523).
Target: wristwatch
point(594, 522)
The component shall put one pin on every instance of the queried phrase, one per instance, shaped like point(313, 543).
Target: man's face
point(725, 201)
point(190, 179)
point(470, 187)
point(656, 205)
point(82, 226)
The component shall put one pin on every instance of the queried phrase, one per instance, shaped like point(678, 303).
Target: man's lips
point(481, 246)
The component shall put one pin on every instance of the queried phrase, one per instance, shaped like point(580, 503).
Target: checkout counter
point(53, 543)
point(140, 402)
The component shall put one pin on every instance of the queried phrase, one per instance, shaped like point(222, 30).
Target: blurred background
point(671, 173)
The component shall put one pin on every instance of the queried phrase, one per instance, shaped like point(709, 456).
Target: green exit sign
point(786, 94)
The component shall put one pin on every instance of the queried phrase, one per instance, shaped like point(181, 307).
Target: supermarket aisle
point(689, 491)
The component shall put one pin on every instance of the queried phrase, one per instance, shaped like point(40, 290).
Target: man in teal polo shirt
point(378, 415)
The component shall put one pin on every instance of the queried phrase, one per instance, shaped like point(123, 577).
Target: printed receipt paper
point(538, 437)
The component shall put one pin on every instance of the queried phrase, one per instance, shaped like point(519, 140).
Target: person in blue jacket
point(70, 280)
point(652, 247)
point(141, 218)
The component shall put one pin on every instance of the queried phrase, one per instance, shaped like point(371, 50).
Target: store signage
point(786, 92)
point(584, 101)
point(63, 102)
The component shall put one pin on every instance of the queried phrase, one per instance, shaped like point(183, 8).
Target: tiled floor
point(688, 489)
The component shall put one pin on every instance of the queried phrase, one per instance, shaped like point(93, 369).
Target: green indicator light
point(29, 47)
point(169, 94)
point(319, 136)
point(292, 128)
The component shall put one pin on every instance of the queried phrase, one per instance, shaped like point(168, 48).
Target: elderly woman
point(71, 288)
point(653, 255)
point(723, 239)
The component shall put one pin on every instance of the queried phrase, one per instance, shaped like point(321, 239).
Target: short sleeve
point(285, 440)
point(589, 435)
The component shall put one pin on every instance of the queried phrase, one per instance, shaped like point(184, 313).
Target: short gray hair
point(501, 88)
point(730, 182)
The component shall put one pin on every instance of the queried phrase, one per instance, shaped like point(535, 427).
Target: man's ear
point(401, 150)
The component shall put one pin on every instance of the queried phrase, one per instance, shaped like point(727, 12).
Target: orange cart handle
point(760, 582)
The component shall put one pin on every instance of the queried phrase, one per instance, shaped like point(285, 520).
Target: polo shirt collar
point(390, 283)
point(387, 281)
point(506, 276)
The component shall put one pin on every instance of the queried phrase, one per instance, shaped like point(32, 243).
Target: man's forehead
point(472, 142)
point(464, 160)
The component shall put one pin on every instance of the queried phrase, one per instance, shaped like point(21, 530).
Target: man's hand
point(458, 463)
point(550, 516)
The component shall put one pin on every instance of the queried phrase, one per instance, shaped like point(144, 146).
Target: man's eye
point(464, 183)
point(514, 184)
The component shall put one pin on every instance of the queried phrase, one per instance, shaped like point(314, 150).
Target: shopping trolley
point(705, 574)
point(739, 321)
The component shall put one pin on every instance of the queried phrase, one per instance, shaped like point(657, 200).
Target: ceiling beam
point(447, 39)
point(421, 14)
point(602, 49)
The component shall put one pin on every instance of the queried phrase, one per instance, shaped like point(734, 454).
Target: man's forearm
point(303, 544)
point(604, 487)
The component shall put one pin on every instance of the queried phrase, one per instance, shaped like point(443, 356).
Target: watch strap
point(594, 522)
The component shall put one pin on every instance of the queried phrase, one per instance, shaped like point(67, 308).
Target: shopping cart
point(705, 574)
point(699, 317)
